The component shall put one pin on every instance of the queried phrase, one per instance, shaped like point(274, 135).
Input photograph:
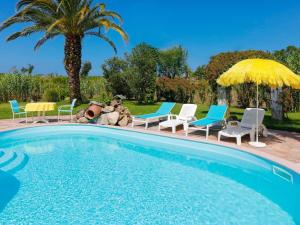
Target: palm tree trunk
point(73, 64)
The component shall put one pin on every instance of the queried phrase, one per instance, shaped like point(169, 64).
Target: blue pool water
point(93, 175)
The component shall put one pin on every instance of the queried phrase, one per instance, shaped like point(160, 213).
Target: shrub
point(51, 95)
point(204, 91)
point(245, 94)
point(177, 89)
point(116, 71)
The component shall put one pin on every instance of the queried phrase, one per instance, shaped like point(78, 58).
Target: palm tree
point(74, 19)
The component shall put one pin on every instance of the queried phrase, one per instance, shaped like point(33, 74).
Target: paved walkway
point(282, 147)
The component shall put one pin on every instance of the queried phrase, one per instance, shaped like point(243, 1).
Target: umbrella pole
point(257, 105)
point(256, 143)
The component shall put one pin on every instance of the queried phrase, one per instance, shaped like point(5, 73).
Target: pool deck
point(282, 147)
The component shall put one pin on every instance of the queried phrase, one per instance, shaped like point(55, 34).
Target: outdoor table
point(40, 107)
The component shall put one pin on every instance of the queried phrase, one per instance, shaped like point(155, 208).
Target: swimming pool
point(94, 175)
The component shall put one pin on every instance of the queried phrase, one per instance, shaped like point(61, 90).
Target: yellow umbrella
point(259, 71)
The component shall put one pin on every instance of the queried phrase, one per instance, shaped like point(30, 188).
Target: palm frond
point(56, 24)
point(53, 17)
point(112, 15)
point(25, 32)
point(103, 37)
point(44, 39)
point(110, 25)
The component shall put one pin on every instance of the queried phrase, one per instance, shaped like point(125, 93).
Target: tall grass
point(27, 87)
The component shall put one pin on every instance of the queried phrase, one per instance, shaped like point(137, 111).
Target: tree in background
point(291, 58)
point(74, 19)
point(116, 71)
point(173, 62)
point(200, 72)
point(222, 62)
point(85, 69)
point(143, 62)
point(28, 70)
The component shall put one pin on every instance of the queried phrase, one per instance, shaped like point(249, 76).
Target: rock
point(126, 111)
point(123, 122)
point(119, 97)
point(129, 119)
point(114, 103)
point(97, 103)
point(80, 114)
point(82, 120)
point(108, 109)
point(113, 118)
point(103, 120)
point(120, 109)
point(113, 114)
point(121, 117)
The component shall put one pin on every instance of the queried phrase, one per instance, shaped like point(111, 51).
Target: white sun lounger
point(187, 114)
point(246, 126)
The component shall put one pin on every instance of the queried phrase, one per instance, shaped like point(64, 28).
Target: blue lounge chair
point(16, 109)
point(163, 112)
point(215, 115)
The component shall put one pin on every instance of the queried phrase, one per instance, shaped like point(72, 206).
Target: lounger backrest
point(14, 106)
point(166, 108)
point(249, 117)
point(217, 112)
point(187, 111)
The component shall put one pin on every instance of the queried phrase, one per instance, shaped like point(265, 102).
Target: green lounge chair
point(215, 115)
point(163, 112)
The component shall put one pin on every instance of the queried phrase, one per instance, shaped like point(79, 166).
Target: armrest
point(22, 108)
point(171, 116)
point(64, 106)
point(185, 119)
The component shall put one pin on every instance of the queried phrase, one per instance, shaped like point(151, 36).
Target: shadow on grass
point(9, 187)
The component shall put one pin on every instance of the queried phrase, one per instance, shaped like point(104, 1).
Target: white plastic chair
point(66, 109)
point(187, 114)
point(248, 125)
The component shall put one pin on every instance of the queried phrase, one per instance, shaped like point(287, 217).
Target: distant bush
point(51, 95)
point(178, 89)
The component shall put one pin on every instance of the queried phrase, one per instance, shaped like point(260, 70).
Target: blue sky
point(204, 28)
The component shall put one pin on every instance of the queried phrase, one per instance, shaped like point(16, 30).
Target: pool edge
point(283, 162)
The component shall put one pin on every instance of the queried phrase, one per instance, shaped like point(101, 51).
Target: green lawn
point(292, 124)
